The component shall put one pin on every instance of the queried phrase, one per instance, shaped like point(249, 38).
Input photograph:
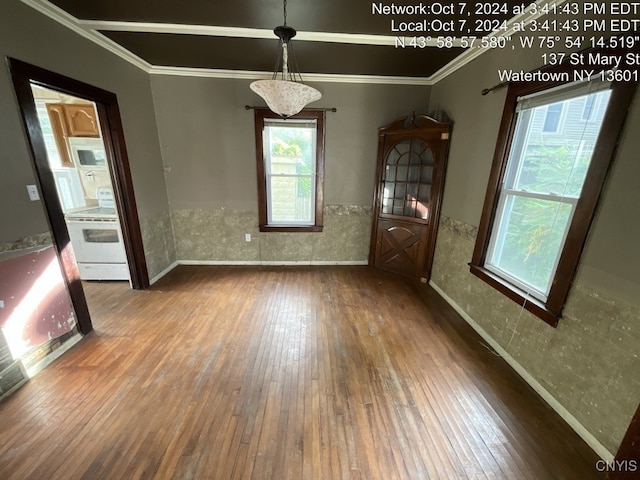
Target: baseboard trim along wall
point(163, 273)
point(592, 441)
point(38, 367)
point(256, 263)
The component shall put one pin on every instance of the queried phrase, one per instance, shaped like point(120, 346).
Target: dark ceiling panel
point(260, 55)
point(339, 16)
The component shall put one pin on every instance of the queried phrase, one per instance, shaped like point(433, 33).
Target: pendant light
point(285, 93)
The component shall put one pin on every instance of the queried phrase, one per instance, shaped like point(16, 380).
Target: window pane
point(588, 110)
point(390, 174)
point(386, 205)
point(529, 237)
point(425, 193)
point(291, 167)
point(555, 165)
point(403, 149)
point(291, 199)
point(401, 190)
point(291, 149)
point(552, 118)
point(426, 174)
point(414, 173)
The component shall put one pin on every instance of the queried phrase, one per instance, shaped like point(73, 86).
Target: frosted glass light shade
point(284, 97)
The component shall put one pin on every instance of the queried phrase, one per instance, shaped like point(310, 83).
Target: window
point(543, 190)
point(588, 109)
point(552, 118)
point(290, 164)
point(539, 194)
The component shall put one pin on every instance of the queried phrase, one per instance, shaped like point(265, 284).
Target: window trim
point(262, 114)
point(550, 310)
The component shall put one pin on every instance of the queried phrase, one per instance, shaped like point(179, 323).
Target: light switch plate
point(33, 193)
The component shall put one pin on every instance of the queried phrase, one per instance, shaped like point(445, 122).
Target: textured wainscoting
point(219, 236)
point(37, 240)
point(158, 242)
point(589, 364)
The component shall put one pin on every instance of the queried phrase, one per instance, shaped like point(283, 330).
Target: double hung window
point(290, 170)
point(544, 189)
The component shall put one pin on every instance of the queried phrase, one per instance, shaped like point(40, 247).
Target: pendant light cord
point(285, 12)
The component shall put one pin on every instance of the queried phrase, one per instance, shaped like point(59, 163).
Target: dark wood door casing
point(23, 76)
point(403, 234)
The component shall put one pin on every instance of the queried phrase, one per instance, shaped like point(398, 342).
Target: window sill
point(291, 228)
point(531, 304)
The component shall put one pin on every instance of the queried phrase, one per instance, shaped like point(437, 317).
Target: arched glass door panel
point(407, 179)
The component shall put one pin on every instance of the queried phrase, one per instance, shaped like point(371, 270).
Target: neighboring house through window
point(543, 190)
point(552, 118)
point(588, 110)
point(290, 165)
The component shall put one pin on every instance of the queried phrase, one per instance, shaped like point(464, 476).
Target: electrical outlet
point(33, 193)
point(247, 237)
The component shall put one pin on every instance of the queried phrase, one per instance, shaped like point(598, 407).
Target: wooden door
point(412, 155)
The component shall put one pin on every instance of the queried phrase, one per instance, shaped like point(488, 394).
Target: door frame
point(23, 75)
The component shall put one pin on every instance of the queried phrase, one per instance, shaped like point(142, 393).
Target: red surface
point(36, 304)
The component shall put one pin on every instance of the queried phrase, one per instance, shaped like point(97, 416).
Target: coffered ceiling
point(338, 40)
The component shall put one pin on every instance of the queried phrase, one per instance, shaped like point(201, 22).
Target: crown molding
point(89, 29)
point(308, 77)
point(473, 53)
point(72, 23)
point(235, 32)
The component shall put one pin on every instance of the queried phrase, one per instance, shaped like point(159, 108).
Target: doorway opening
point(77, 158)
point(93, 169)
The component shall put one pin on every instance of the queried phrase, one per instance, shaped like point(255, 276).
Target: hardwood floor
point(281, 373)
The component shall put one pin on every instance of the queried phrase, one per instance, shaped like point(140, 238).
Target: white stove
point(97, 240)
point(95, 213)
point(106, 208)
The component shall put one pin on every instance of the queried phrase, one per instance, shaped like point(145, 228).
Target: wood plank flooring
point(281, 373)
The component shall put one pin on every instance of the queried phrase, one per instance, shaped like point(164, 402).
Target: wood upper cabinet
point(60, 132)
point(71, 120)
point(74, 119)
point(81, 120)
